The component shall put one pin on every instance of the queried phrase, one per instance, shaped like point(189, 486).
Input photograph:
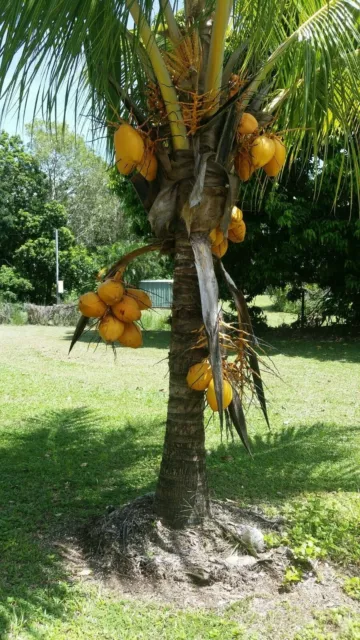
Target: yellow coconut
point(262, 150)
point(111, 291)
point(110, 328)
point(141, 297)
point(237, 233)
point(148, 166)
point(127, 309)
point(129, 147)
point(236, 217)
point(243, 166)
point(124, 165)
point(248, 124)
point(91, 306)
point(276, 163)
point(132, 336)
point(227, 395)
point(199, 376)
point(220, 249)
point(216, 237)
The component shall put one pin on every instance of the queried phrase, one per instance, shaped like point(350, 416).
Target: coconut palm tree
point(184, 79)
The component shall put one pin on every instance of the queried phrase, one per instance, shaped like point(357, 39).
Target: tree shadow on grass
point(151, 339)
point(322, 347)
point(59, 471)
point(319, 458)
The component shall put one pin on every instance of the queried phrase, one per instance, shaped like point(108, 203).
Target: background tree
point(296, 64)
point(79, 179)
point(295, 240)
point(28, 218)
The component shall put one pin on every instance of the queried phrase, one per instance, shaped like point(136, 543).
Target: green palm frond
point(301, 57)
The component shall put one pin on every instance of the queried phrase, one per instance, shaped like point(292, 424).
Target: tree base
point(228, 547)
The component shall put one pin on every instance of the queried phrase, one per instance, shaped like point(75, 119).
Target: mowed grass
point(82, 432)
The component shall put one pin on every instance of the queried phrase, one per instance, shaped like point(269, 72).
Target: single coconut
point(91, 306)
point(262, 150)
point(248, 124)
point(127, 310)
point(148, 166)
point(243, 166)
point(237, 232)
point(129, 148)
point(220, 249)
point(124, 166)
point(131, 336)
point(111, 291)
point(227, 395)
point(110, 328)
point(216, 237)
point(142, 298)
point(199, 376)
point(276, 163)
point(236, 217)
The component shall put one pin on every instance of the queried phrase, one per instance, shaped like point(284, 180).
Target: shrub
point(58, 315)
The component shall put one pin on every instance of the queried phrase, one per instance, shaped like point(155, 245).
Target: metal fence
point(160, 292)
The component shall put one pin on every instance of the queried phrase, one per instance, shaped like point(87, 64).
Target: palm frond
point(209, 295)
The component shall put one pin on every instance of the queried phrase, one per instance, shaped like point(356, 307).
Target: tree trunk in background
point(182, 495)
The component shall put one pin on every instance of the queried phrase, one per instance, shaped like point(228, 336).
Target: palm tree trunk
point(182, 495)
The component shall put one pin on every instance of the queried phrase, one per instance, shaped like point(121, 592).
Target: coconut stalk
point(215, 61)
point(178, 129)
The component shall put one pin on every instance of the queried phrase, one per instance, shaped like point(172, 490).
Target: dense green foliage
point(296, 240)
point(29, 215)
point(79, 179)
point(28, 218)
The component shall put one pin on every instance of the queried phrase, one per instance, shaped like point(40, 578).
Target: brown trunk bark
point(182, 495)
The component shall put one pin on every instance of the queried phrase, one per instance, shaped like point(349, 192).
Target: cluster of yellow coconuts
point(265, 151)
point(117, 309)
point(236, 233)
point(200, 378)
point(134, 151)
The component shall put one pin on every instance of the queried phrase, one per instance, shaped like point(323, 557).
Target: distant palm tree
point(186, 79)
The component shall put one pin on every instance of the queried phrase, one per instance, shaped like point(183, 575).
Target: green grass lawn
point(79, 433)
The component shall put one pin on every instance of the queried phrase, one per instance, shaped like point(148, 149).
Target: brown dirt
point(208, 566)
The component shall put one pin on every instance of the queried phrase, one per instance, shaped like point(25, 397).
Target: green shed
point(160, 292)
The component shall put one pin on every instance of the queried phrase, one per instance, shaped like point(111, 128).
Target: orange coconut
point(148, 166)
point(243, 166)
point(199, 376)
point(127, 310)
point(262, 150)
point(124, 166)
point(216, 237)
point(236, 217)
point(227, 395)
point(276, 163)
point(131, 336)
point(91, 306)
point(248, 124)
point(220, 249)
point(129, 143)
point(110, 328)
point(111, 291)
point(237, 232)
point(142, 298)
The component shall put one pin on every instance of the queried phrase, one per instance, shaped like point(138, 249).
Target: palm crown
point(298, 61)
